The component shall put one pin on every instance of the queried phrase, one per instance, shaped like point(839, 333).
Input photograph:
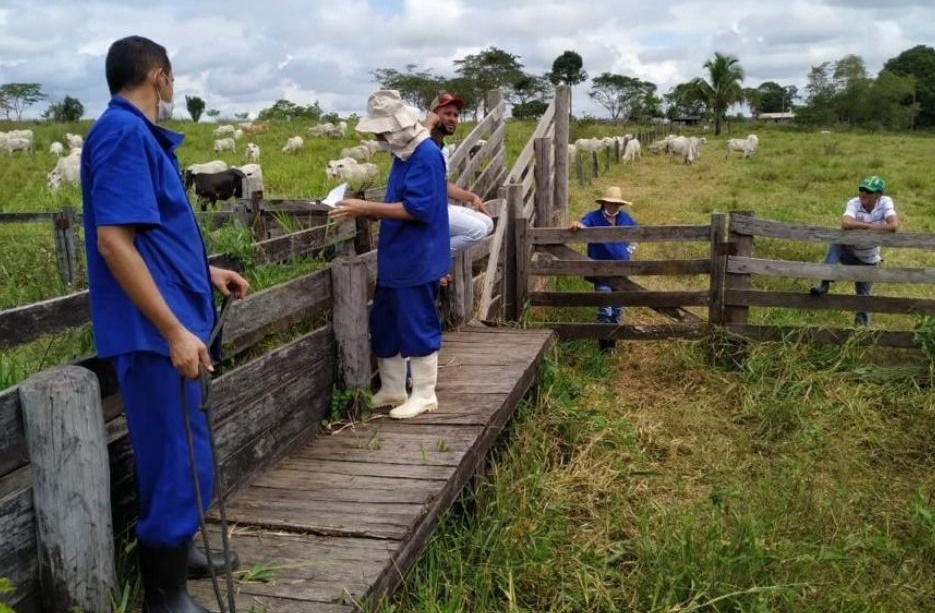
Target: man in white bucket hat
point(413, 253)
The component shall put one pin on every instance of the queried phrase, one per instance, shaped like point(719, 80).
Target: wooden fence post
point(595, 165)
point(560, 154)
point(718, 266)
point(522, 262)
point(579, 167)
point(740, 245)
point(349, 320)
point(542, 147)
point(66, 249)
point(64, 424)
point(514, 210)
point(460, 291)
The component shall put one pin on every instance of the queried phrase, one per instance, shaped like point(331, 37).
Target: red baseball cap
point(444, 99)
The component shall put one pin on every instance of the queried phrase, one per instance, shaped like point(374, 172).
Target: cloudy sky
point(242, 55)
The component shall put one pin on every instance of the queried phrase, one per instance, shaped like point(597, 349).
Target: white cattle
point(207, 167)
point(253, 152)
point(361, 153)
point(372, 145)
point(348, 169)
point(238, 134)
point(15, 143)
point(696, 144)
point(74, 140)
point(225, 144)
point(746, 146)
point(342, 125)
point(293, 144)
point(250, 170)
point(328, 129)
point(681, 147)
point(589, 144)
point(632, 150)
point(572, 153)
point(67, 170)
point(56, 148)
point(225, 129)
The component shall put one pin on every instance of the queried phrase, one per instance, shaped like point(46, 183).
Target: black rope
point(204, 379)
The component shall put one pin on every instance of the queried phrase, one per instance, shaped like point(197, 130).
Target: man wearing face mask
point(152, 309)
point(413, 254)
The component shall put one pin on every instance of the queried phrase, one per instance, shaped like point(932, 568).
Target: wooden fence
point(728, 267)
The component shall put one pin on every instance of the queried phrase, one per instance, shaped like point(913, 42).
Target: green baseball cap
point(873, 183)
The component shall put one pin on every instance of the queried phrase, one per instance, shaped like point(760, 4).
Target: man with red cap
point(469, 224)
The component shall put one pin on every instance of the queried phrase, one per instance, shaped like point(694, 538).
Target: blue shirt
point(130, 177)
point(607, 251)
point(414, 252)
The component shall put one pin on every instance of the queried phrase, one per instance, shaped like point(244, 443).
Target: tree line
point(901, 96)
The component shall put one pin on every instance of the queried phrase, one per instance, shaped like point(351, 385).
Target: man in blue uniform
point(152, 308)
point(413, 253)
point(608, 214)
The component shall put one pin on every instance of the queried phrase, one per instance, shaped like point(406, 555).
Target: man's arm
point(115, 244)
point(353, 207)
point(890, 224)
point(462, 195)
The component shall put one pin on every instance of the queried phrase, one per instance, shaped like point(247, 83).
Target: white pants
point(467, 226)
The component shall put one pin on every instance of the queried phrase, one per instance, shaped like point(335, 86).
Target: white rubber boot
point(392, 392)
point(424, 378)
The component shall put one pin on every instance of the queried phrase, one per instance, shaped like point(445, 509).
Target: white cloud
point(243, 55)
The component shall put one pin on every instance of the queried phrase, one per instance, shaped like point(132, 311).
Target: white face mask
point(164, 110)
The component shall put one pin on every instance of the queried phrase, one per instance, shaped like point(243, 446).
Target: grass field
point(654, 478)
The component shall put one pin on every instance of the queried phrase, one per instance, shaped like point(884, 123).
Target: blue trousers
point(606, 314)
point(150, 387)
point(840, 254)
point(404, 321)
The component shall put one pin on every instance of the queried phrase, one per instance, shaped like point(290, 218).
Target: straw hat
point(386, 113)
point(612, 195)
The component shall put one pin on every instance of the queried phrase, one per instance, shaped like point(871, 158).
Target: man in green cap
point(870, 210)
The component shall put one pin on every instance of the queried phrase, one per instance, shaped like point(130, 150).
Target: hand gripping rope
point(204, 379)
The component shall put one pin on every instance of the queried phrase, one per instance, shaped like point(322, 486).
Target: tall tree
point(490, 69)
point(684, 100)
point(195, 106)
point(918, 62)
point(17, 97)
point(68, 110)
point(891, 102)
point(819, 97)
point(529, 87)
point(416, 87)
point(567, 69)
point(723, 87)
point(619, 94)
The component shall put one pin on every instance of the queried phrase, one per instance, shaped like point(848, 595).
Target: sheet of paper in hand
point(335, 196)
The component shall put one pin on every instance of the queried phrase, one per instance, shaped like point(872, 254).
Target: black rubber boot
point(198, 562)
point(164, 576)
point(821, 289)
point(606, 345)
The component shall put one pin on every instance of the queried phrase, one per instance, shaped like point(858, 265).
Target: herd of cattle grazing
point(216, 180)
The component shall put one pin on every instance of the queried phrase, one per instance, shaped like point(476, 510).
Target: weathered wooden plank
point(828, 336)
point(598, 268)
point(738, 245)
point(490, 122)
point(26, 323)
point(6, 218)
point(648, 234)
point(619, 283)
point(560, 155)
point(521, 265)
point(18, 558)
point(809, 270)
point(804, 300)
point(524, 160)
point(627, 331)
point(275, 309)
point(860, 238)
point(362, 469)
point(351, 329)
point(650, 299)
point(543, 150)
point(493, 261)
point(480, 184)
point(288, 246)
point(494, 143)
point(718, 268)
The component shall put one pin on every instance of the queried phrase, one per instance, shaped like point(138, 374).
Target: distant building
point(687, 120)
point(786, 117)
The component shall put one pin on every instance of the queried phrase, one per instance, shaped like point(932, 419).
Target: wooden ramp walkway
point(341, 519)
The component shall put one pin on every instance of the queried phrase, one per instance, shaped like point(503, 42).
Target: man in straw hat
point(870, 210)
point(413, 254)
point(607, 214)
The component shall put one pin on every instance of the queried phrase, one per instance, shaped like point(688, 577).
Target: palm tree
point(723, 87)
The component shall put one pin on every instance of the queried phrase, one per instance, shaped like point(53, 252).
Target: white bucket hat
point(614, 195)
point(386, 113)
